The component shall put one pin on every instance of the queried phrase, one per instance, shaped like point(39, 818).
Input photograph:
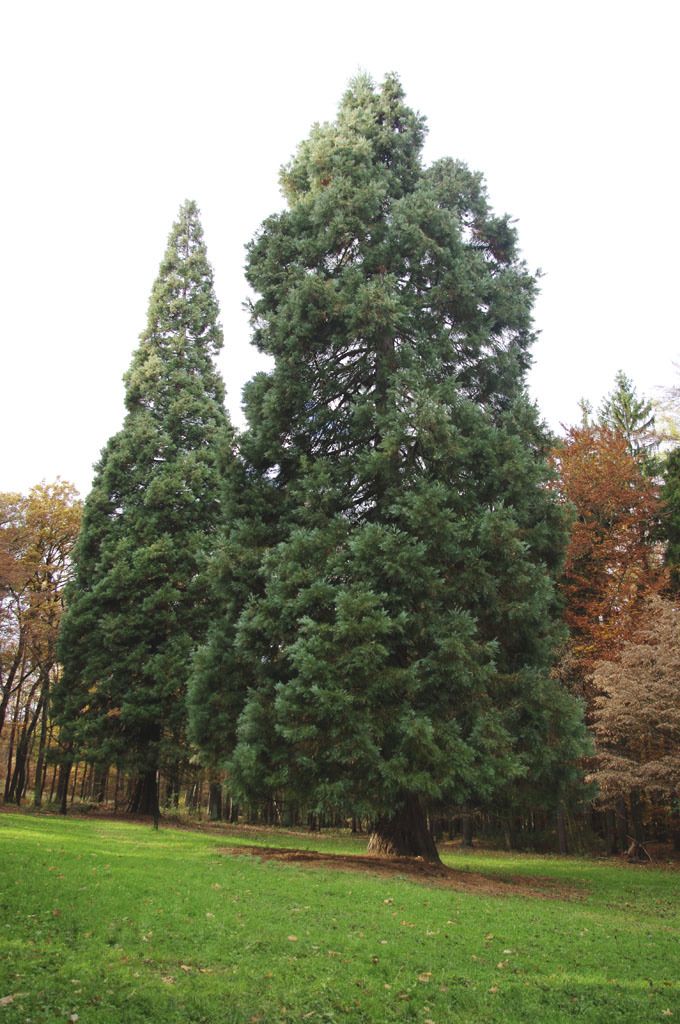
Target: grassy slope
point(118, 924)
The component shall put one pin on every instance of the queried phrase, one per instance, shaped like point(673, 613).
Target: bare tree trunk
point(405, 833)
point(562, 831)
point(144, 798)
point(610, 819)
point(10, 752)
point(19, 775)
point(101, 778)
point(636, 850)
point(62, 787)
point(466, 822)
point(87, 773)
point(75, 781)
point(215, 801)
point(42, 746)
point(116, 791)
point(622, 824)
point(53, 783)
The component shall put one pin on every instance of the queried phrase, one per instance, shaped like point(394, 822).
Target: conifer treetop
point(183, 318)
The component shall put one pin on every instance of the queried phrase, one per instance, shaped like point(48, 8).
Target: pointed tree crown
point(183, 333)
point(633, 416)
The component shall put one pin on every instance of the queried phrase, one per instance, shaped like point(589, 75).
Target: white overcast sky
point(113, 113)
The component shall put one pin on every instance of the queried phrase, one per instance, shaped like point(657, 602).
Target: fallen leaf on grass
point(494, 988)
point(73, 1018)
point(666, 1013)
point(7, 1000)
point(292, 938)
point(425, 977)
point(185, 967)
point(168, 980)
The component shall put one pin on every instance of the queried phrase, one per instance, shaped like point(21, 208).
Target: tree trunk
point(621, 824)
point(62, 786)
point(75, 782)
point(562, 831)
point(42, 745)
point(12, 737)
point(172, 790)
point(53, 783)
point(87, 774)
point(610, 819)
point(101, 777)
point(144, 798)
point(404, 834)
point(636, 850)
point(675, 828)
point(20, 773)
point(215, 801)
point(466, 822)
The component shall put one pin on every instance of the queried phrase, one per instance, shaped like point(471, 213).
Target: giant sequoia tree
point(386, 587)
point(137, 607)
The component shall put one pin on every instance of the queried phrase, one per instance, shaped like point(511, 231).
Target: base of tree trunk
point(404, 834)
point(144, 798)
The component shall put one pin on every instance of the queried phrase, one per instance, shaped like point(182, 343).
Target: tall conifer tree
point(623, 411)
point(387, 583)
point(137, 608)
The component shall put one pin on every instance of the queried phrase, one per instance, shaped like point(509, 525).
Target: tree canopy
point(613, 561)
point(138, 605)
point(385, 595)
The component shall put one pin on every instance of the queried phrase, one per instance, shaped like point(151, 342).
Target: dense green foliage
point(632, 416)
point(116, 923)
point(387, 614)
point(138, 605)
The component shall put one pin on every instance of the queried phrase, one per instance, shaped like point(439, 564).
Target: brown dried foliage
point(636, 718)
point(613, 565)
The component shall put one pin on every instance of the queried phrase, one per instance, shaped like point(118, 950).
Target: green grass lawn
point(111, 922)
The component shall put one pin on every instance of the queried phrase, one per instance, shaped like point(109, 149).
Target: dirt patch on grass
point(417, 870)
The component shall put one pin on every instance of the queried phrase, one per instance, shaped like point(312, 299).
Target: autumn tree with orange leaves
point(613, 564)
point(37, 534)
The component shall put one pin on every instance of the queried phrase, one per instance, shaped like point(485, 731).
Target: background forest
point(394, 601)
